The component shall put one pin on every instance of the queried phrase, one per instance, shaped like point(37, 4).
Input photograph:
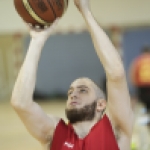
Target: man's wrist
point(85, 12)
point(39, 40)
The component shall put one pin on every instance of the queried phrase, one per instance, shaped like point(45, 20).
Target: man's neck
point(83, 128)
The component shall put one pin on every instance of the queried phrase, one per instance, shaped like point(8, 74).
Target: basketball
point(40, 12)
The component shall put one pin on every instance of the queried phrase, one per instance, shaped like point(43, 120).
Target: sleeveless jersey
point(100, 137)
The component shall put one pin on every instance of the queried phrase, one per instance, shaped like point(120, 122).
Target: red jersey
point(141, 70)
point(100, 137)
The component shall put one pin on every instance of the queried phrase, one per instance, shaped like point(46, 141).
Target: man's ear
point(101, 104)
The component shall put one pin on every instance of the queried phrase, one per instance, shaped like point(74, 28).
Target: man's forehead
point(83, 82)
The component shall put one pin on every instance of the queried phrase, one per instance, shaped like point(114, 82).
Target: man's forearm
point(25, 83)
point(104, 48)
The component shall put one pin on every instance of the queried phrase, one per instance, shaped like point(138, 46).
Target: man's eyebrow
point(70, 88)
point(80, 86)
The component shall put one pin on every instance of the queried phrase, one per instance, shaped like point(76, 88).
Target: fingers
point(57, 20)
point(39, 28)
point(52, 26)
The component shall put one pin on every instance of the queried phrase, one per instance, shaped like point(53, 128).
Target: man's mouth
point(74, 103)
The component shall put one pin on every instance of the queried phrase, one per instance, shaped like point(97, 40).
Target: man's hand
point(42, 33)
point(82, 5)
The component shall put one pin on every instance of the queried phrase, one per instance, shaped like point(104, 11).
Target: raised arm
point(36, 121)
point(119, 105)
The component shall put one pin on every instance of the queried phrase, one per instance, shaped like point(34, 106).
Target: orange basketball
point(40, 12)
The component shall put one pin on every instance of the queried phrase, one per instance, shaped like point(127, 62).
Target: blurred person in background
point(140, 76)
point(94, 123)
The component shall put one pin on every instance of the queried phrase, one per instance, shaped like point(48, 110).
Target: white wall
point(107, 12)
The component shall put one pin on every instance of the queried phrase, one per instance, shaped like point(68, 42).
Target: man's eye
point(83, 90)
point(70, 92)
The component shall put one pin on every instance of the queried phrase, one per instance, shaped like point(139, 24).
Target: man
point(140, 76)
point(92, 124)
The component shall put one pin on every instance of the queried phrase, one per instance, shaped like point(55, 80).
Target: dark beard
point(86, 113)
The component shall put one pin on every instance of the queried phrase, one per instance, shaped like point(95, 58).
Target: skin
point(118, 106)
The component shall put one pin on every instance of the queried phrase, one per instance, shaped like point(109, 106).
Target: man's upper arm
point(119, 105)
point(37, 122)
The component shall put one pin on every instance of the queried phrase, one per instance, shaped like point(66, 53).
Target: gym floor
point(13, 134)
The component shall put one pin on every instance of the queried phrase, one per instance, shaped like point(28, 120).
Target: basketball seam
point(52, 8)
point(39, 19)
point(36, 13)
point(27, 11)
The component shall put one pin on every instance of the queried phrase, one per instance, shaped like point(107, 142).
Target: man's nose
point(74, 95)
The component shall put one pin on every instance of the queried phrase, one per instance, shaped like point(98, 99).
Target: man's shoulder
point(62, 124)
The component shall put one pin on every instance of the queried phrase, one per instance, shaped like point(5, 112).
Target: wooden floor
point(14, 136)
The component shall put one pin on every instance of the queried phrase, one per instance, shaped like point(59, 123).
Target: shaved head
point(87, 81)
